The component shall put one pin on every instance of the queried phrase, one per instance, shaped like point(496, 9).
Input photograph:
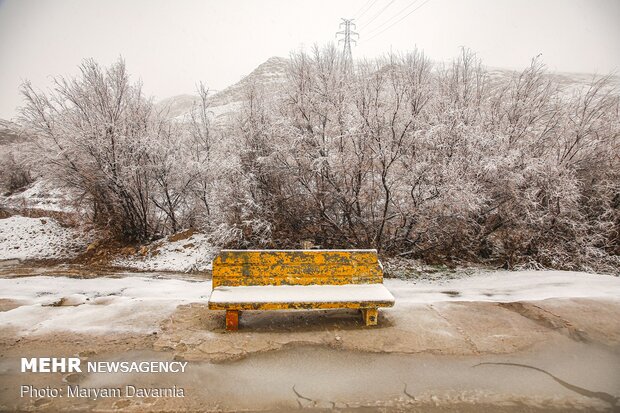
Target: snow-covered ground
point(193, 253)
point(508, 286)
point(38, 238)
point(43, 195)
point(140, 303)
point(100, 305)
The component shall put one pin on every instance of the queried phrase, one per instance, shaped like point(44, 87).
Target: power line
point(377, 15)
point(399, 20)
point(367, 9)
point(372, 31)
point(364, 8)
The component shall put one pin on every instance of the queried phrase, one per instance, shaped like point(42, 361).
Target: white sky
point(171, 45)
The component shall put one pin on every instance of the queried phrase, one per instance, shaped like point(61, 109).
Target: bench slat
point(294, 257)
point(299, 267)
point(296, 280)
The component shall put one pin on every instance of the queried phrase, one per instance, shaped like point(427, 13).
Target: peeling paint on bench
point(277, 268)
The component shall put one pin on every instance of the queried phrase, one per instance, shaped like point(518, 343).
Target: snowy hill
point(568, 82)
point(9, 133)
point(176, 106)
point(268, 76)
point(271, 75)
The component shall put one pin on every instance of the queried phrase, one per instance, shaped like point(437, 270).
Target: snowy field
point(139, 303)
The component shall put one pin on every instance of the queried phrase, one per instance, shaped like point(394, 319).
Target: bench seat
point(269, 297)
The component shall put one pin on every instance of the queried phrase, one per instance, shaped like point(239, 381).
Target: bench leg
point(370, 316)
point(232, 320)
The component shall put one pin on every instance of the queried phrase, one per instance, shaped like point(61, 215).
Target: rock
point(93, 246)
point(181, 235)
point(128, 251)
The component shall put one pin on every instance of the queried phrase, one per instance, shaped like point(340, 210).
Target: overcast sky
point(171, 45)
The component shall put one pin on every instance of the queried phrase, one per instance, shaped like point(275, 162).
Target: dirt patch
point(181, 235)
point(33, 268)
point(66, 219)
point(101, 252)
point(8, 304)
point(56, 268)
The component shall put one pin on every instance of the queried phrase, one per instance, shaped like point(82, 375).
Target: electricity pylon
point(347, 56)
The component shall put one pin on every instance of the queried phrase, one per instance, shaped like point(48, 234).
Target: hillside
point(9, 133)
point(269, 76)
point(568, 82)
point(176, 106)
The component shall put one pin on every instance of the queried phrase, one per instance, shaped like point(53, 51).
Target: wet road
point(556, 354)
point(575, 377)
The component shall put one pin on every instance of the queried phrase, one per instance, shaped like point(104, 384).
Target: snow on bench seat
point(285, 294)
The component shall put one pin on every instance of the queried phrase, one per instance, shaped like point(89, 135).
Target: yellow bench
point(298, 279)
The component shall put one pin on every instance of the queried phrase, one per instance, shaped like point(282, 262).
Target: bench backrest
point(234, 268)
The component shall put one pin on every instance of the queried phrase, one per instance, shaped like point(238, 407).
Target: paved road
point(554, 354)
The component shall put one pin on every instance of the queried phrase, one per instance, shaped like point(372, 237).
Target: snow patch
point(507, 286)
point(38, 238)
point(43, 195)
point(100, 305)
point(194, 253)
